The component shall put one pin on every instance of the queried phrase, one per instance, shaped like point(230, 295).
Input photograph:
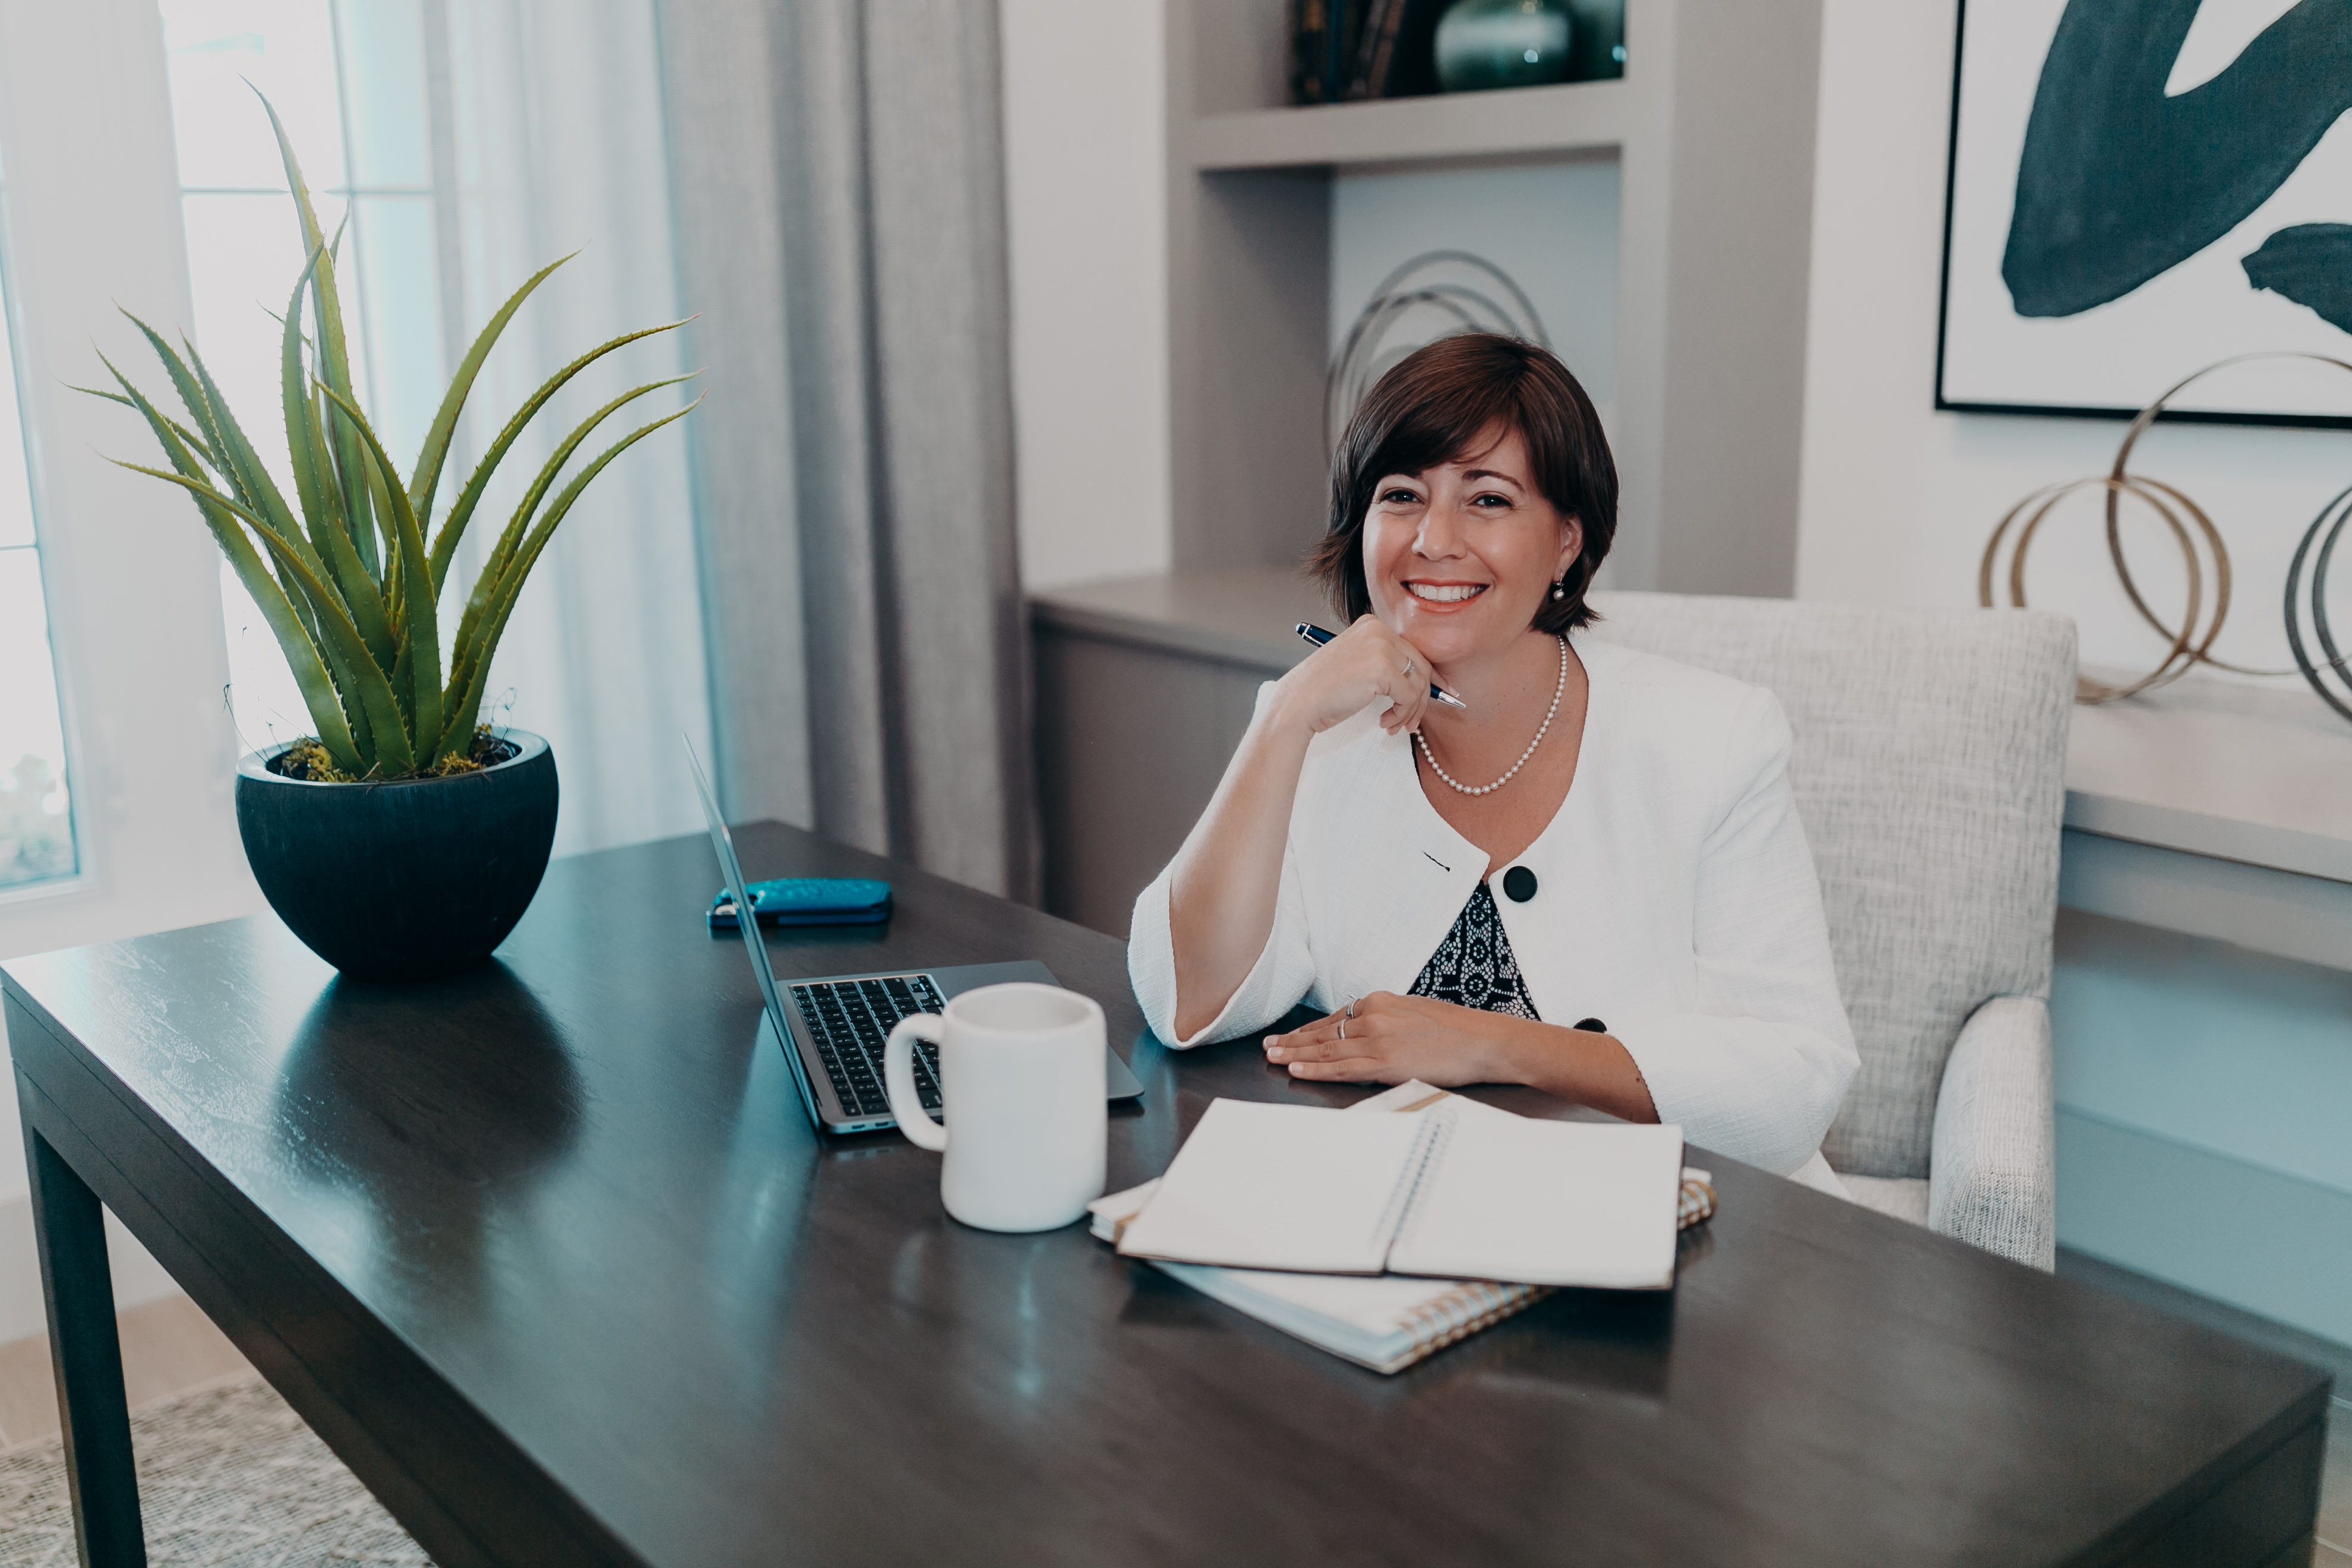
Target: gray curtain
point(837, 177)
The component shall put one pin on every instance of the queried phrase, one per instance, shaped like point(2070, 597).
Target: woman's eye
point(1491, 500)
point(1398, 498)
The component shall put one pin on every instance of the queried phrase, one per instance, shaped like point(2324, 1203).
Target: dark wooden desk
point(552, 1259)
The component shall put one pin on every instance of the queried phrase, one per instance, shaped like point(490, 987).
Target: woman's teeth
point(1445, 593)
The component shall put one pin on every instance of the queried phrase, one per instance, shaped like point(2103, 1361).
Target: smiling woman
point(1635, 812)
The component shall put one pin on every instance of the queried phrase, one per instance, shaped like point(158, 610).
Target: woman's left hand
point(1390, 1039)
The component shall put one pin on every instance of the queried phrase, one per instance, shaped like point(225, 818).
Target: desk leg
point(87, 1359)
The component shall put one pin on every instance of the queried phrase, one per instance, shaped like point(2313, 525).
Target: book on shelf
point(1351, 50)
point(1375, 47)
point(1311, 44)
point(1388, 1320)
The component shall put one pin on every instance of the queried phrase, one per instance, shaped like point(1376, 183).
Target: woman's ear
point(1572, 545)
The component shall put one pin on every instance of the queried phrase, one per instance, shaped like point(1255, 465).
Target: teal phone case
point(808, 902)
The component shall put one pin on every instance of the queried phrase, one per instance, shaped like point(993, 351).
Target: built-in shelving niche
point(1662, 221)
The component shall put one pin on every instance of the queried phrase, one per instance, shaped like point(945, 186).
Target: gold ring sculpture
point(2188, 644)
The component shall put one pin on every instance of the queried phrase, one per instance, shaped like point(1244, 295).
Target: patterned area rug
point(228, 1478)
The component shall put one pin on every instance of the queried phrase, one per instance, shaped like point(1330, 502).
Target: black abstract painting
point(2140, 187)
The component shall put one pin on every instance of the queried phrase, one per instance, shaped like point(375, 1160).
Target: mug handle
point(898, 1079)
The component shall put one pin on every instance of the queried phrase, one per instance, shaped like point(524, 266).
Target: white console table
point(2220, 808)
point(2216, 808)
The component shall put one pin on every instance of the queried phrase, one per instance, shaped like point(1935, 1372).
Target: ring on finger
point(1343, 1028)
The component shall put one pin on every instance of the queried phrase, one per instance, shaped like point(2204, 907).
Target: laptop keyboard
point(849, 1020)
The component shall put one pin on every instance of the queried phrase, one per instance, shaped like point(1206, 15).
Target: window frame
point(90, 219)
point(12, 365)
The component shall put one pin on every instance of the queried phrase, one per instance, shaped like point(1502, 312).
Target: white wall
point(1085, 139)
point(1897, 499)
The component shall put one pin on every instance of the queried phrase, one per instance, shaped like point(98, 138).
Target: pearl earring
point(1557, 591)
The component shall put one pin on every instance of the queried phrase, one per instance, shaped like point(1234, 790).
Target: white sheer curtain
point(558, 148)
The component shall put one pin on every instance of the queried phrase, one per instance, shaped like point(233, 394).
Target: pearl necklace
point(1540, 733)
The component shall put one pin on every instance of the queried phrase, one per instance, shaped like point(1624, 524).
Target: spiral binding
point(1436, 1129)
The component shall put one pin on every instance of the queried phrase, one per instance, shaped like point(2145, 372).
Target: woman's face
point(1459, 559)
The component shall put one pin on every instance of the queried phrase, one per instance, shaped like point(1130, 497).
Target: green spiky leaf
point(346, 576)
point(470, 682)
point(420, 639)
point(427, 480)
point(461, 512)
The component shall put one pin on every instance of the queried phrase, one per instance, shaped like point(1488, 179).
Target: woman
point(1657, 948)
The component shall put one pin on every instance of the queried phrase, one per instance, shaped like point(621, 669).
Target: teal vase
point(1484, 43)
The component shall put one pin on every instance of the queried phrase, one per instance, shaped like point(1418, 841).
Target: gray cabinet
point(1144, 688)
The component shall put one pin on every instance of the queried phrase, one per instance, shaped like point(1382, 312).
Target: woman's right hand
point(1226, 881)
point(1361, 665)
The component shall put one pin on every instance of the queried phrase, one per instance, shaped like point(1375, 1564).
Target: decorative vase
point(1599, 51)
point(409, 879)
point(1484, 43)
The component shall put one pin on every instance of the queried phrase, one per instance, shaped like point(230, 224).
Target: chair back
point(1929, 770)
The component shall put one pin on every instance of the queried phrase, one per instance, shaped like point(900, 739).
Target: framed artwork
point(2139, 188)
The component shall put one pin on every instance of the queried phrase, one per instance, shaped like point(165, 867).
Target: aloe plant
point(351, 576)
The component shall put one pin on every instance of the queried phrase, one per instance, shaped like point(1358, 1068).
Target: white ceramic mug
point(1021, 1082)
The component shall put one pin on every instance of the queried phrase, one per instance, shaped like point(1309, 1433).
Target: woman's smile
point(1445, 594)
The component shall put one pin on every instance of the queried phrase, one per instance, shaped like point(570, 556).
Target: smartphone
point(808, 902)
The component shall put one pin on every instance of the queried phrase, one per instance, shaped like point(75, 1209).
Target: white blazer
point(1675, 901)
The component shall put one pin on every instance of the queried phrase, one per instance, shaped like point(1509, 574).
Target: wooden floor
point(170, 1348)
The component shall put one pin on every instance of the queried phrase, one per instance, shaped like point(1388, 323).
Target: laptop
point(833, 1029)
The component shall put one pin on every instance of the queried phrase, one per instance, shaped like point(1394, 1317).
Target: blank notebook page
point(1548, 1202)
point(1278, 1186)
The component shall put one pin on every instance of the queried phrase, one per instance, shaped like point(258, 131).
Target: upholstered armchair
point(1928, 767)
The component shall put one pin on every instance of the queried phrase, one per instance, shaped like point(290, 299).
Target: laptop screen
point(749, 924)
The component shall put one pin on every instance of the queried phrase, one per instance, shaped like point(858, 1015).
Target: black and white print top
point(1473, 966)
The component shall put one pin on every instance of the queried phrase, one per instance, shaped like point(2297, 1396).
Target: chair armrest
point(1992, 1167)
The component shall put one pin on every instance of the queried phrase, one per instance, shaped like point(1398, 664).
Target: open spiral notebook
point(1415, 1196)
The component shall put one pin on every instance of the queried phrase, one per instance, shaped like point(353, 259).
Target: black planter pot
point(404, 880)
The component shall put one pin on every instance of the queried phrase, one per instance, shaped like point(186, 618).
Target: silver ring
point(1408, 668)
point(1343, 1028)
point(1351, 1006)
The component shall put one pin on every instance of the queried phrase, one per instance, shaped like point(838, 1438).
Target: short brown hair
point(1429, 410)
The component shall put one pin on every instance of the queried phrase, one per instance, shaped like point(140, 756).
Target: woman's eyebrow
point(1493, 473)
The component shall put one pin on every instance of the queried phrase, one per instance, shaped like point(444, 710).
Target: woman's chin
point(1447, 636)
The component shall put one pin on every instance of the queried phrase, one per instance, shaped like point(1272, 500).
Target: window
point(37, 835)
point(348, 80)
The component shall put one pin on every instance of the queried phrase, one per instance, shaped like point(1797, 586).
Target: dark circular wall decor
point(2332, 518)
point(1455, 290)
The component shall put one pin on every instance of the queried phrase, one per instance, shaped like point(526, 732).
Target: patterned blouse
point(1473, 966)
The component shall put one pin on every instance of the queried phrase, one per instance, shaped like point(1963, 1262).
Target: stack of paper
point(1291, 1213)
point(1386, 1322)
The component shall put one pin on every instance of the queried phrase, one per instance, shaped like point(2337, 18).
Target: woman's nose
point(1440, 533)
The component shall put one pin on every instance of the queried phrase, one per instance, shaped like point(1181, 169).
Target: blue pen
point(1318, 637)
